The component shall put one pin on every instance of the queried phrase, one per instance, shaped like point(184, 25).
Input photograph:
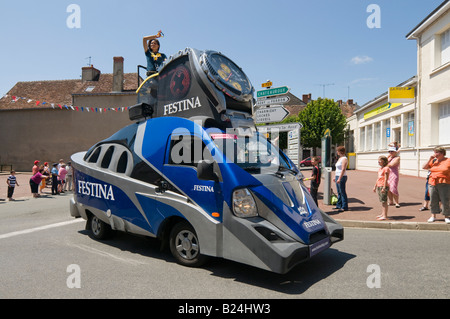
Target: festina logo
point(96, 190)
point(181, 106)
point(203, 188)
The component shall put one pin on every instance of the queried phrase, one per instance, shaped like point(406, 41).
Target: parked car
point(307, 162)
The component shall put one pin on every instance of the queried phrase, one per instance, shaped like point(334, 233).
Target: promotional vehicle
point(194, 172)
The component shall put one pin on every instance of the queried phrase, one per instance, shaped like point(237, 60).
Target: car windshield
point(254, 153)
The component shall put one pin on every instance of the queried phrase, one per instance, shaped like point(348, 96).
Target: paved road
point(42, 249)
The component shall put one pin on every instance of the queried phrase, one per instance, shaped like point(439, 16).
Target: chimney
point(117, 85)
point(89, 73)
point(306, 98)
point(350, 102)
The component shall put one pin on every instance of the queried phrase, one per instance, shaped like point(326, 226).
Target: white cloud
point(361, 59)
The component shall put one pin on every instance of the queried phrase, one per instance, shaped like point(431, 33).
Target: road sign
point(275, 91)
point(267, 84)
point(270, 114)
point(275, 100)
point(279, 127)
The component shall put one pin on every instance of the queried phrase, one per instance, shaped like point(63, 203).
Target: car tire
point(99, 229)
point(185, 246)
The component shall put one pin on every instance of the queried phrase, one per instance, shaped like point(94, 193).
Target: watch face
point(230, 75)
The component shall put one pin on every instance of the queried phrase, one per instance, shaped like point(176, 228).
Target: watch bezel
point(215, 78)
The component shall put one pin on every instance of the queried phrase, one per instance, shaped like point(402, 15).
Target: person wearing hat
point(35, 168)
point(55, 179)
point(394, 165)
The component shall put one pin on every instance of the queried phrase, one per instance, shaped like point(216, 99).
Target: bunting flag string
point(56, 106)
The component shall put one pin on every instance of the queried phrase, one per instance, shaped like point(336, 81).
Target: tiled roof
point(60, 91)
point(104, 84)
point(27, 93)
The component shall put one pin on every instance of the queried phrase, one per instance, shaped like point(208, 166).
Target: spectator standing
point(35, 180)
point(62, 172)
point(439, 184)
point(54, 173)
point(341, 179)
point(35, 168)
point(381, 186)
point(315, 179)
point(394, 165)
point(12, 182)
point(69, 177)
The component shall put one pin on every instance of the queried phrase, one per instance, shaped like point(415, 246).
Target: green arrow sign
point(275, 91)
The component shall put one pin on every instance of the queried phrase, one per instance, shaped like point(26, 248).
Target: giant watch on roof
point(227, 76)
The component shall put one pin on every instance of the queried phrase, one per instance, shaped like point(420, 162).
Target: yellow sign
point(401, 95)
point(267, 84)
point(327, 132)
point(381, 109)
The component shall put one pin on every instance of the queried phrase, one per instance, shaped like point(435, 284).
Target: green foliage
point(319, 115)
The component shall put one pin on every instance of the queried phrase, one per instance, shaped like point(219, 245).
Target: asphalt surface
point(363, 202)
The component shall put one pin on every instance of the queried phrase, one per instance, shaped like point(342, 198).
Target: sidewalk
point(363, 202)
point(364, 205)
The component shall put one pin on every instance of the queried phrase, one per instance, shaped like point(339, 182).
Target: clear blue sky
point(304, 44)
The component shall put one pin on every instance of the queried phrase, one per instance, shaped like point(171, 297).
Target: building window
point(445, 47)
point(369, 145)
point(377, 137)
point(444, 123)
point(362, 138)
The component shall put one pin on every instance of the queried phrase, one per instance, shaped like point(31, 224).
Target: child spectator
point(315, 178)
point(12, 182)
point(381, 186)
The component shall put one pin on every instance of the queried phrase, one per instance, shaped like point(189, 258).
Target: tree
point(319, 115)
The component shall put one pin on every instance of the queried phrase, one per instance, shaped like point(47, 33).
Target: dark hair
point(157, 41)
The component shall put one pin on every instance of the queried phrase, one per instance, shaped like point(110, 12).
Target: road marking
point(32, 230)
point(109, 255)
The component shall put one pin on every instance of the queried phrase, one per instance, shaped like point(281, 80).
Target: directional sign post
point(283, 99)
point(270, 114)
point(275, 91)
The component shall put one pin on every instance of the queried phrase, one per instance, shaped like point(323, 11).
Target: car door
point(181, 160)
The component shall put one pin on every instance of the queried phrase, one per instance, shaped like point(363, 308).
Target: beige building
point(418, 126)
point(50, 120)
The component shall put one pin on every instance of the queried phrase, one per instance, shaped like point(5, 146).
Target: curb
point(394, 225)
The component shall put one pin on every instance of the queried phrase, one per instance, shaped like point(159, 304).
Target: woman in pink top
point(62, 177)
point(35, 180)
point(394, 165)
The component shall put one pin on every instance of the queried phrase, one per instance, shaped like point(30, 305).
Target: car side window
point(114, 157)
point(187, 150)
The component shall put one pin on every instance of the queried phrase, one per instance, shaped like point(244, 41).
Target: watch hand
point(228, 77)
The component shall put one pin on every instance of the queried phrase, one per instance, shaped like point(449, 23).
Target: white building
point(423, 124)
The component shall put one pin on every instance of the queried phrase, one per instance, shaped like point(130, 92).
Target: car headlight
point(243, 203)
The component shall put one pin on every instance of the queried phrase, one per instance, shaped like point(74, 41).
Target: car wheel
point(184, 245)
point(98, 228)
